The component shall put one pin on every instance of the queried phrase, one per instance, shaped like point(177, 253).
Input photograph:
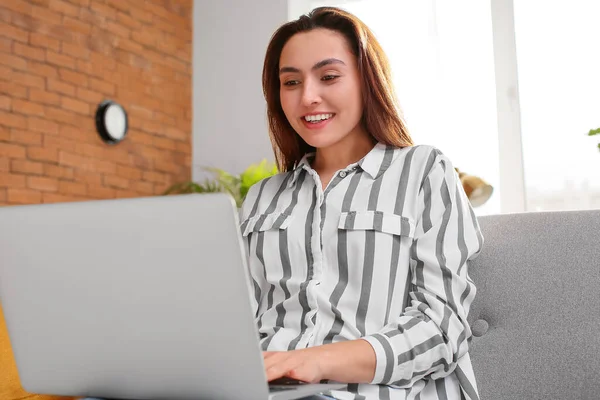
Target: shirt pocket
point(380, 221)
point(266, 222)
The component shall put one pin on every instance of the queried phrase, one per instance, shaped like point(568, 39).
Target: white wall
point(229, 115)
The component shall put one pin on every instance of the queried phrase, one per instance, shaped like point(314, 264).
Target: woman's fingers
point(272, 358)
point(296, 364)
point(281, 363)
point(278, 370)
point(268, 354)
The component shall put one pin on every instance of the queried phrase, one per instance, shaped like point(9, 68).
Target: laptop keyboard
point(274, 389)
point(285, 383)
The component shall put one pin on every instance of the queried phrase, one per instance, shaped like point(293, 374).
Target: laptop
point(145, 298)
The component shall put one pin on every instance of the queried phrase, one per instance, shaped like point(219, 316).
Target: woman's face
point(320, 87)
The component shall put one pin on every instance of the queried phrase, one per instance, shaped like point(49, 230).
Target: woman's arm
point(432, 333)
point(352, 361)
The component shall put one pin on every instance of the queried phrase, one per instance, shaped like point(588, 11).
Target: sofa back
point(536, 315)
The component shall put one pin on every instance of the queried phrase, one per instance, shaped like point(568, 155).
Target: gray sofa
point(536, 316)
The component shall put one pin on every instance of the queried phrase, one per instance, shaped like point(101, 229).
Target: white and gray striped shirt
point(382, 254)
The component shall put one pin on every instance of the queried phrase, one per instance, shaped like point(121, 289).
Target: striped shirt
point(381, 254)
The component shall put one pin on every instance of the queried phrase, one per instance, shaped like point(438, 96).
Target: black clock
point(111, 122)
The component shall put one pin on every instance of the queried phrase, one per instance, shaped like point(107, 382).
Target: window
point(513, 112)
point(559, 85)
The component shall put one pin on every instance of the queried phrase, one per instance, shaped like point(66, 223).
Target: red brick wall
point(58, 60)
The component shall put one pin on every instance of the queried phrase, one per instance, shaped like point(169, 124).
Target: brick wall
point(58, 60)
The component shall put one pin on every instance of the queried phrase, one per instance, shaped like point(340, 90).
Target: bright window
point(559, 82)
point(442, 57)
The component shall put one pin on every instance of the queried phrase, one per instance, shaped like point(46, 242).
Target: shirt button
point(343, 174)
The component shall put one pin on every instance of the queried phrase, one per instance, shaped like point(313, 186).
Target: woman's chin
point(320, 140)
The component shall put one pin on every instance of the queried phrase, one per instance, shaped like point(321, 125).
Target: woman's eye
point(329, 77)
point(290, 83)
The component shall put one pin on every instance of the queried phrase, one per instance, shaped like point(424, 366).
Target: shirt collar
point(375, 163)
point(304, 163)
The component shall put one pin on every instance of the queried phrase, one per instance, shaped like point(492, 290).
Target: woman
point(359, 249)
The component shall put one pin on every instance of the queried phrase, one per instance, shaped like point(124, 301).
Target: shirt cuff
point(385, 358)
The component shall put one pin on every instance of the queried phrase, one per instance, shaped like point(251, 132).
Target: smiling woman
point(359, 248)
point(332, 81)
point(304, 63)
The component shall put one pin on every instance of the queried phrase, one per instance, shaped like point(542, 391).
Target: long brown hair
point(382, 118)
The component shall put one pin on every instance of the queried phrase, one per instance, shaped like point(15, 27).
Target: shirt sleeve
point(431, 335)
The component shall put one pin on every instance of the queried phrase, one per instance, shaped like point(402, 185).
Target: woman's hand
point(350, 362)
point(304, 365)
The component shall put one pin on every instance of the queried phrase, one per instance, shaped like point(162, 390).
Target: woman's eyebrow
point(318, 65)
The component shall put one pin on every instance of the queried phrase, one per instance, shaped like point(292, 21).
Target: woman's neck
point(343, 153)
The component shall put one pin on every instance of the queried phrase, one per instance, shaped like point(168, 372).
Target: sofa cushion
point(536, 315)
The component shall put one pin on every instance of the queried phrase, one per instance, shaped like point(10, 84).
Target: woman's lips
point(316, 125)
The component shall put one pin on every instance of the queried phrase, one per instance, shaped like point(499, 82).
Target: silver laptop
point(144, 298)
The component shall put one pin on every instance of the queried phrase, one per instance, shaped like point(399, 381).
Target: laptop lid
point(140, 298)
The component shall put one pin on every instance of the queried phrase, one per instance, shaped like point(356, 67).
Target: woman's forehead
point(305, 49)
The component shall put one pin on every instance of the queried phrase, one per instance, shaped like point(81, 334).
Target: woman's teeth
point(317, 118)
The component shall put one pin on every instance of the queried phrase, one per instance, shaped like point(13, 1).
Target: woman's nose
point(310, 94)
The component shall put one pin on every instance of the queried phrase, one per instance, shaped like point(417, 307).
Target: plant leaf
point(593, 132)
point(228, 182)
point(254, 174)
point(236, 185)
point(193, 187)
point(176, 188)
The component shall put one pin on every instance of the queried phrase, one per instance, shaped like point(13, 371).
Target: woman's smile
point(317, 121)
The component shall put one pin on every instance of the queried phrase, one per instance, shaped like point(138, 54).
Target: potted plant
point(236, 185)
point(593, 132)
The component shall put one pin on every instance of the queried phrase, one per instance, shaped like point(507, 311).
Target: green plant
point(236, 185)
point(593, 132)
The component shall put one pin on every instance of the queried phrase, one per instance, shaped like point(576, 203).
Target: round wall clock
point(111, 122)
